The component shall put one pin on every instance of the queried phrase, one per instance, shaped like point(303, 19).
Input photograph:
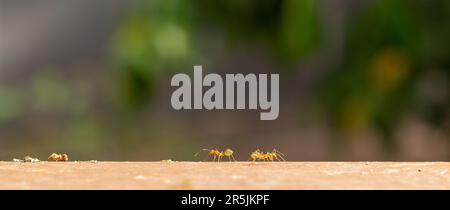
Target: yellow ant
point(215, 153)
point(274, 155)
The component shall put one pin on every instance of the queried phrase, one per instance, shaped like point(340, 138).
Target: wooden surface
point(225, 175)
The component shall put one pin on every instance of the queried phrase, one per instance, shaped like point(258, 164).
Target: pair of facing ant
point(257, 155)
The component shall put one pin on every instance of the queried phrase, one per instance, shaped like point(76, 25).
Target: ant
point(58, 157)
point(268, 156)
point(215, 153)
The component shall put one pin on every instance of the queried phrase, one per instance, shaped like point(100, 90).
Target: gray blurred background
point(360, 80)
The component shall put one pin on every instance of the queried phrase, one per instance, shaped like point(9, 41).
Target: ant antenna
point(201, 151)
point(275, 150)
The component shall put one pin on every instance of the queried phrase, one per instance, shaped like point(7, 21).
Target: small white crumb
point(30, 159)
point(391, 171)
point(139, 177)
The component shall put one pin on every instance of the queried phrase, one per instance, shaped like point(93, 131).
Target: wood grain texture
point(225, 175)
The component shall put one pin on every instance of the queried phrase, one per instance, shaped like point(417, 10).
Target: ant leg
point(234, 159)
point(281, 158)
point(278, 152)
point(214, 159)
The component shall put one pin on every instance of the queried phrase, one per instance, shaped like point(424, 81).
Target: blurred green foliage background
point(360, 80)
